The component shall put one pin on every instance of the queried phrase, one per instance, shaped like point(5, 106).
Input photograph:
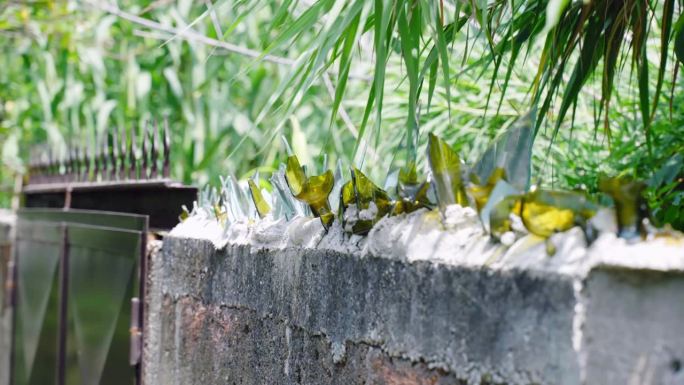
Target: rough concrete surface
point(444, 322)
point(240, 315)
point(6, 225)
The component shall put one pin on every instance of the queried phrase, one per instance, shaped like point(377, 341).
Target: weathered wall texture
point(6, 224)
point(243, 316)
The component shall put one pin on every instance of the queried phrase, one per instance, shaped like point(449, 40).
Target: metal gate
point(78, 275)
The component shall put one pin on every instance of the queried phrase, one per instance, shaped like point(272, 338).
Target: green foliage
point(363, 81)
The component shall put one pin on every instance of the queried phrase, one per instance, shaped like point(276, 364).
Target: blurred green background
point(70, 69)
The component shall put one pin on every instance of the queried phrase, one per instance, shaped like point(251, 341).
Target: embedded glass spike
point(500, 191)
point(481, 192)
point(630, 206)
point(510, 151)
point(547, 212)
point(413, 195)
point(313, 190)
point(500, 215)
point(262, 206)
point(446, 172)
point(371, 203)
point(289, 205)
point(335, 202)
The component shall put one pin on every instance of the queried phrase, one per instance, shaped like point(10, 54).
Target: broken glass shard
point(630, 206)
point(547, 212)
point(313, 190)
point(262, 206)
point(445, 165)
point(512, 152)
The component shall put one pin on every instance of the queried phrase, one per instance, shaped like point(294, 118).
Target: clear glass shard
point(501, 190)
point(511, 151)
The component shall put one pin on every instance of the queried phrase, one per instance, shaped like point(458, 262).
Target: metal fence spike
point(167, 150)
point(114, 155)
point(154, 151)
point(104, 158)
point(85, 174)
point(122, 154)
point(145, 146)
point(96, 159)
point(132, 158)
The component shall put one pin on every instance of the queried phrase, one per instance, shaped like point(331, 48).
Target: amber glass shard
point(630, 206)
point(446, 171)
point(366, 192)
point(315, 193)
point(547, 212)
point(260, 203)
point(313, 190)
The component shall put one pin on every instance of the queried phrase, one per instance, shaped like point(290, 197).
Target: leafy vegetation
point(362, 81)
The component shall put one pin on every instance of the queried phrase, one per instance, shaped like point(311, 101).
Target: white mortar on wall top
point(456, 239)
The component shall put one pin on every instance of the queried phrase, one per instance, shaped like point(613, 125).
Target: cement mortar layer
point(438, 290)
point(456, 239)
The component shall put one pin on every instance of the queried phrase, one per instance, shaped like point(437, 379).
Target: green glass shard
point(372, 202)
point(630, 206)
point(481, 193)
point(446, 171)
point(220, 214)
point(347, 196)
point(366, 192)
point(547, 212)
point(294, 173)
point(313, 190)
point(315, 193)
point(185, 214)
point(260, 203)
point(500, 215)
point(412, 194)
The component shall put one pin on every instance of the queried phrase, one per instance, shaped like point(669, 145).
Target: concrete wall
point(245, 316)
point(6, 224)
